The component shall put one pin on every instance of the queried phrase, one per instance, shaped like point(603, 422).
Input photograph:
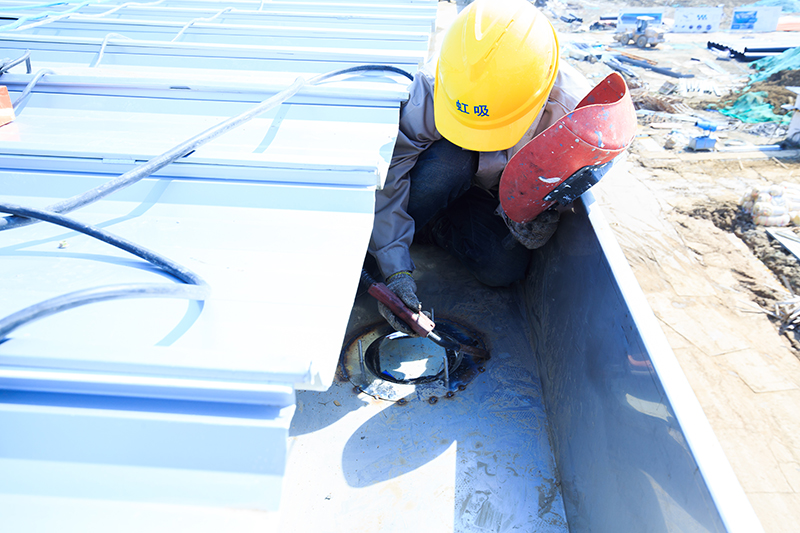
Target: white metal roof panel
point(171, 400)
point(254, 237)
point(269, 35)
point(389, 16)
point(280, 204)
point(304, 36)
point(51, 51)
point(261, 250)
point(114, 129)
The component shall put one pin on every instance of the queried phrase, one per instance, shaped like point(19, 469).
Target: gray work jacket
point(393, 229)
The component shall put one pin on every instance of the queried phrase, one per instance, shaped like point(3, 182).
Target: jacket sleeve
point(393, 228)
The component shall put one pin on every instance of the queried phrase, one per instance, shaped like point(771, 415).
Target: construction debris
point(613, 62)
point(776, 205)
point(700, 87)
point(570, 18)
point(642, 99)
point(667, 88)
point(786, 311)
point(747, 54)
point(602, 25)
point(676, 140)
point(703, 142)
point(649, 66)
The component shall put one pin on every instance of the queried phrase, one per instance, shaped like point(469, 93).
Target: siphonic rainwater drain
point(393, 366)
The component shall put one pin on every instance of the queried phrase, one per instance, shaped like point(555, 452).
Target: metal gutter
point(729, 498)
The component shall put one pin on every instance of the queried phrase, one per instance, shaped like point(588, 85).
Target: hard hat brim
point(479, 140)
point(496, 67)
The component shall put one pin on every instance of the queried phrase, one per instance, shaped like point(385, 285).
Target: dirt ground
point(665, 116)
point(710, 275)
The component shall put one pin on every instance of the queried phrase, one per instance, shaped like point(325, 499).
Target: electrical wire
point(8, 64)
point(103, 45)
point(157, 163)
point(22, 20)
point(28, 88)
point(94, 295)
point(83, 16)
point(193, 288)
point(206, 19)
point(30, 6)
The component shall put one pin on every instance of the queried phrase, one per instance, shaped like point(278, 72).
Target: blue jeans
point(450, 212)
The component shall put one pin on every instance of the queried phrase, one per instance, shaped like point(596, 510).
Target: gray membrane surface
point(479, 461)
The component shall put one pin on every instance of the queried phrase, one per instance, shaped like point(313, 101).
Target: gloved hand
point(403, 285)
point(537, 232)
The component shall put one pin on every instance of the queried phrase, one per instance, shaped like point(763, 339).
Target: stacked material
point(774, 205)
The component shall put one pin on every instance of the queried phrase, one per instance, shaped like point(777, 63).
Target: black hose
point(193, 288)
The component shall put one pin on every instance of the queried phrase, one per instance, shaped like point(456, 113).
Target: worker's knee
point(503, 269)
point(494, 278)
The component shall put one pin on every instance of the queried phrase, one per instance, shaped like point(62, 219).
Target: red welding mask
point(555, 166)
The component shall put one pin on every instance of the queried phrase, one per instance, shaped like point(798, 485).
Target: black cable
point(360, 68)
point(168, 265)
point(193, 288)
point(98, 294)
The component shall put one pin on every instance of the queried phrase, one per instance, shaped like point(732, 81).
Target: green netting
point(753, 108)
point(766, 67)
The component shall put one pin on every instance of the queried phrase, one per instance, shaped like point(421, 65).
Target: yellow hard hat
point(497, 64)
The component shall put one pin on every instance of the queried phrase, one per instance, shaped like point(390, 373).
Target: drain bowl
point(402, 359)
point(389, 365)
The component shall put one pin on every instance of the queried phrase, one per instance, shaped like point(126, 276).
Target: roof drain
point(393, 366)
point(408, 360)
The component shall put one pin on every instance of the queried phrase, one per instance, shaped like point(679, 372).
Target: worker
point(497, 83)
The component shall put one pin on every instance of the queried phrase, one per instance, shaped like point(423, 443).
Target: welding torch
point(420, 323)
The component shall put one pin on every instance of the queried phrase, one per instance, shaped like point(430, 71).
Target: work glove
point(535, 233)
point(403, 285)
